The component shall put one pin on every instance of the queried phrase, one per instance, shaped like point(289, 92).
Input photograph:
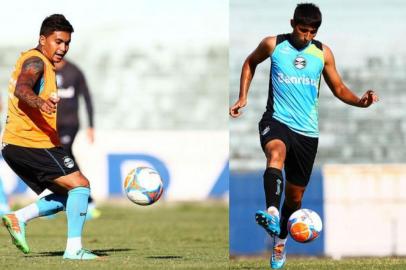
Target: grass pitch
point(384, 263)
point(162, 236)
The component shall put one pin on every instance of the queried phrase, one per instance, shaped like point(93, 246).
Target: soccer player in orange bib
point(31, 144)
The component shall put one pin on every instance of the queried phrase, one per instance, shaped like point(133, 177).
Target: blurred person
point(71, 84)
point(31, 144)
point(289, 127)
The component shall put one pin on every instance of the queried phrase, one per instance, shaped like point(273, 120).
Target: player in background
point(289, 127)
point(31, 144)
point(71, 84)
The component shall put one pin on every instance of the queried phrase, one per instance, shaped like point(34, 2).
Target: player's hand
point(48, 106)
point(235, 109)
point(54, 98)
point(368, 98)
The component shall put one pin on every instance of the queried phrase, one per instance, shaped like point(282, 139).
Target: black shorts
point(38, 167)
point(300, 150)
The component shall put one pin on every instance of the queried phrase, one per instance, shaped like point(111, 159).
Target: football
point(304, 225)
point(143, 186)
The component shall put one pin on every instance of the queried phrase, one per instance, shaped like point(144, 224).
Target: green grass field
point(162, 236)
point(385, 263)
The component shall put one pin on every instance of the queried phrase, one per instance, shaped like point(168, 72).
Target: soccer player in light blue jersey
point(289, 127)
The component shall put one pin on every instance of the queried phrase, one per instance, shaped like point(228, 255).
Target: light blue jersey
point(294, 85)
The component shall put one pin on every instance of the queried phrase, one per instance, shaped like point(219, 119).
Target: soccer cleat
point(81, 254)
point(269, 222)
point(278, 257)
point(17, 232)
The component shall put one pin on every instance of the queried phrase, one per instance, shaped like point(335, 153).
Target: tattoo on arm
point(31, 72)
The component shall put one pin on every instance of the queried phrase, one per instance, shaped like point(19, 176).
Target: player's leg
point(76, 207)
point(274, 144)
point(275, 152)
point(292, 202)
point(298, 168)
point(45, 206)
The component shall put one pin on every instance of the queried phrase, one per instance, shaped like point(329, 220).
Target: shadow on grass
point(164, 257)
point(99, 252)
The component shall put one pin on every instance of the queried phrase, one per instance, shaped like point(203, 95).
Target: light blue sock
point(51, 204)
point(76, 208)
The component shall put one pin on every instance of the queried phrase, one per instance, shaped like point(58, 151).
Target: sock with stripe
point(273, 186)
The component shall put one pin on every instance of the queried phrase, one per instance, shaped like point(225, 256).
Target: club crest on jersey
point(300, 62)
point(68, 162)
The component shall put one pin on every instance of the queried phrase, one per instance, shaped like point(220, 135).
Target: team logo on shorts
point(68, 162)
point(300, 62)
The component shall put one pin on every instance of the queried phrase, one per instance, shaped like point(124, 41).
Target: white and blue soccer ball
point(304, 225)
point(143, 186)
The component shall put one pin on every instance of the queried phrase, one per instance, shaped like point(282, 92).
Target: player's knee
point(83, 182)
point(275, 157)
point(294, 201)
point(79, 181)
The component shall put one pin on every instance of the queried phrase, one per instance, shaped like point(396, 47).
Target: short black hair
point(55, 22)
point(307, 14)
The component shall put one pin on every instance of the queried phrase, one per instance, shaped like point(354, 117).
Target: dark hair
point(307, 14)
point(55, 22)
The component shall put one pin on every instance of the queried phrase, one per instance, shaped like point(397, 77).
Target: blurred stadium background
point(359, 181)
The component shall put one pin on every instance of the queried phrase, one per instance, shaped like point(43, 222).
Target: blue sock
point(76, 208)
point(51, 204)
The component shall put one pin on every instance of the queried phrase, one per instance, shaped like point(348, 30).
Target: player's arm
point(32, 70)
point(339, 89)
point(262, 52)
